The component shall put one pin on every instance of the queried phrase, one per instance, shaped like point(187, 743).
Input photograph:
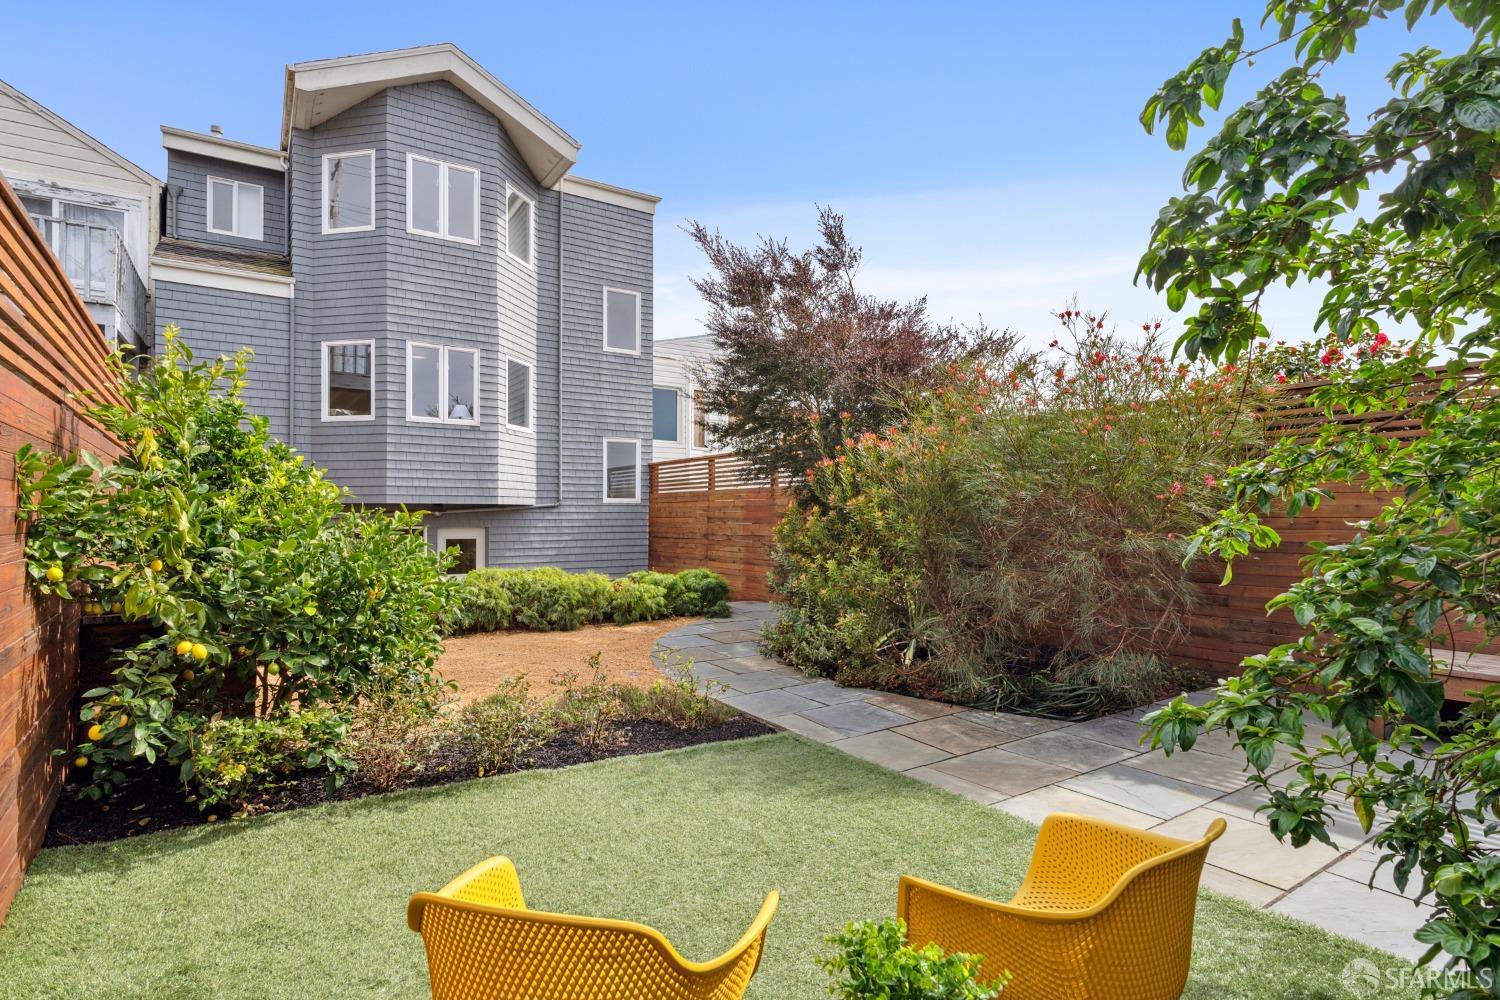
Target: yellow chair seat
point(1105, 910)
point(484, 944)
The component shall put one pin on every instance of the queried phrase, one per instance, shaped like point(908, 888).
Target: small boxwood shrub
point(550, 599)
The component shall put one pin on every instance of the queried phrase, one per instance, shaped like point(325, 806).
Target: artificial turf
point(312, 903)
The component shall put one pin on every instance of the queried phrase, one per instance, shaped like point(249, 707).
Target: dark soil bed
point(152, 799)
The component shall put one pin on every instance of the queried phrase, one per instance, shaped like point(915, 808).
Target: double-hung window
point(442, 384)
point(349, 191)
point(622, 470)
point(520, 227)
point(442, 199)
point(236, 208)
point(622, 321)
point(518, 387)
point(665, 404)
point(349, 380)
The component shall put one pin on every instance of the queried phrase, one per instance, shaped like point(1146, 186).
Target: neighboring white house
point(97, 210)
point(678, 425)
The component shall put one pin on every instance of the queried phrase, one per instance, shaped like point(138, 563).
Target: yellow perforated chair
point(484, 944)
point(1105, 911)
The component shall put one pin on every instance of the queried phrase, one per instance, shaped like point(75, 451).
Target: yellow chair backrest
point(484, 944)
point(1105, 910)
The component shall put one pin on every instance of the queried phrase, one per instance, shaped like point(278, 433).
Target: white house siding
point(677, 361)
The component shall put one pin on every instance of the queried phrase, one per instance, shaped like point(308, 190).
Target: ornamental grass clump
point(1015, 523)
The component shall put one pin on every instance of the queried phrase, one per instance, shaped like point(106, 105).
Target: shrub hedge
point(553, 600)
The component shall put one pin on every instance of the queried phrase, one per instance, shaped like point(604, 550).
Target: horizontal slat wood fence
point(50, 349)
point(710, 511)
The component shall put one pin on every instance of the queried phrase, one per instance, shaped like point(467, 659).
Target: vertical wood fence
point(49, 350)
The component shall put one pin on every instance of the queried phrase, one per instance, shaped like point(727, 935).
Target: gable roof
point(79, 134)
point(320, 89)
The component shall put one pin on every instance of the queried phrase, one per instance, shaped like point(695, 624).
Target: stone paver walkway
point(1031, 767)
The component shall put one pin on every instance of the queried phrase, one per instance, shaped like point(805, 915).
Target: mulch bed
point(152, 799)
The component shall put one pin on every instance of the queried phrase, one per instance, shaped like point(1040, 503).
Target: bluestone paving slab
point(955, 734)
point(1344, 828)
point(763, 680)
point(1206, 769)
point(709, 672)
point(1012, 724)
point(1062, 747)
point(687, 640)
point(806, 727)
point(826, 691)
point(1114, 730)
point(734, 635)
point(1250, 849)
point(955, 784)
point(1011, 773)
point(743, 664)
point(892, 750)
point(1237, 885)
point(1343, 906)
point(1154, 794)
point(738, 648)
point(1037, 804)
point(769, 704)
point(913, 708)
point(854, 717)
point(1360, 866)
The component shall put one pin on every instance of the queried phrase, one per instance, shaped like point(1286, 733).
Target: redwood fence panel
point(50, 350)
point(706, 512)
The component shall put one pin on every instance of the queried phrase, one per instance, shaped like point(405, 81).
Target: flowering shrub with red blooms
point(1282, 363)
point(1016, 521)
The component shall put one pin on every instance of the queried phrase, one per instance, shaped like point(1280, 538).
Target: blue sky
point(986, 154)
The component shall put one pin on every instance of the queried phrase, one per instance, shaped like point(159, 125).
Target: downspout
point(291, 308)
point(561, 244)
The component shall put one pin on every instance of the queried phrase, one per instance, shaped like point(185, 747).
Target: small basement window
point(518, 381)
point(442, 384)
point(442, 199)
point(622, 470)
point(349, 191)
point(468, 546)
point(236, 209)
point(622, 321)
point(520, 227)
point(349, 380)
point(664, 405)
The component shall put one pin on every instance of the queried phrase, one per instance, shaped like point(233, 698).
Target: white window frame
point(604, 469)
point(234, 208)
point(443, 352)
point(477, 535)
point(604, 306)
point(443, 167)
point(323, 347)
point(677, 429)
point(531, 217)
point(344, 155)
point(530, 426)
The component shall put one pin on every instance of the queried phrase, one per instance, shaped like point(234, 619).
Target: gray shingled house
point(442, 314)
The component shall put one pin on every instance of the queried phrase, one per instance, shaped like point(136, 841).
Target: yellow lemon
point(96, 733)
point(81, 762)
point(212, 818)
point(115, 607)
point(184, 648)
point(273, 668)
point(54, 573)
point(156, 565)
point(124, 720)
point(200, 651)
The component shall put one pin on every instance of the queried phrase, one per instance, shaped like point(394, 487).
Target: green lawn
point(312, 903)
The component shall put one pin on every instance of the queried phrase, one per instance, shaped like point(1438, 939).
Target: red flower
point(1381, 340)
point(1281, 377)
point(1176, 488)
point(1210, 481)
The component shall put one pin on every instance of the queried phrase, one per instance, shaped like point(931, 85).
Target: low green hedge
point(553, 600)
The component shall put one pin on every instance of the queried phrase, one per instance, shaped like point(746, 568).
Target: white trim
point(477, 535)
point(604, 302)
point(604, 470)
point(323, 347)
point(609, 194)
point(234, 208)
point(323, 184)
point(676, 424)
point(228, 279)
point(320, 89)
point(220, 148)
point(443, 167)
point(443, 371)
point(531, 218)
point(530, 426)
